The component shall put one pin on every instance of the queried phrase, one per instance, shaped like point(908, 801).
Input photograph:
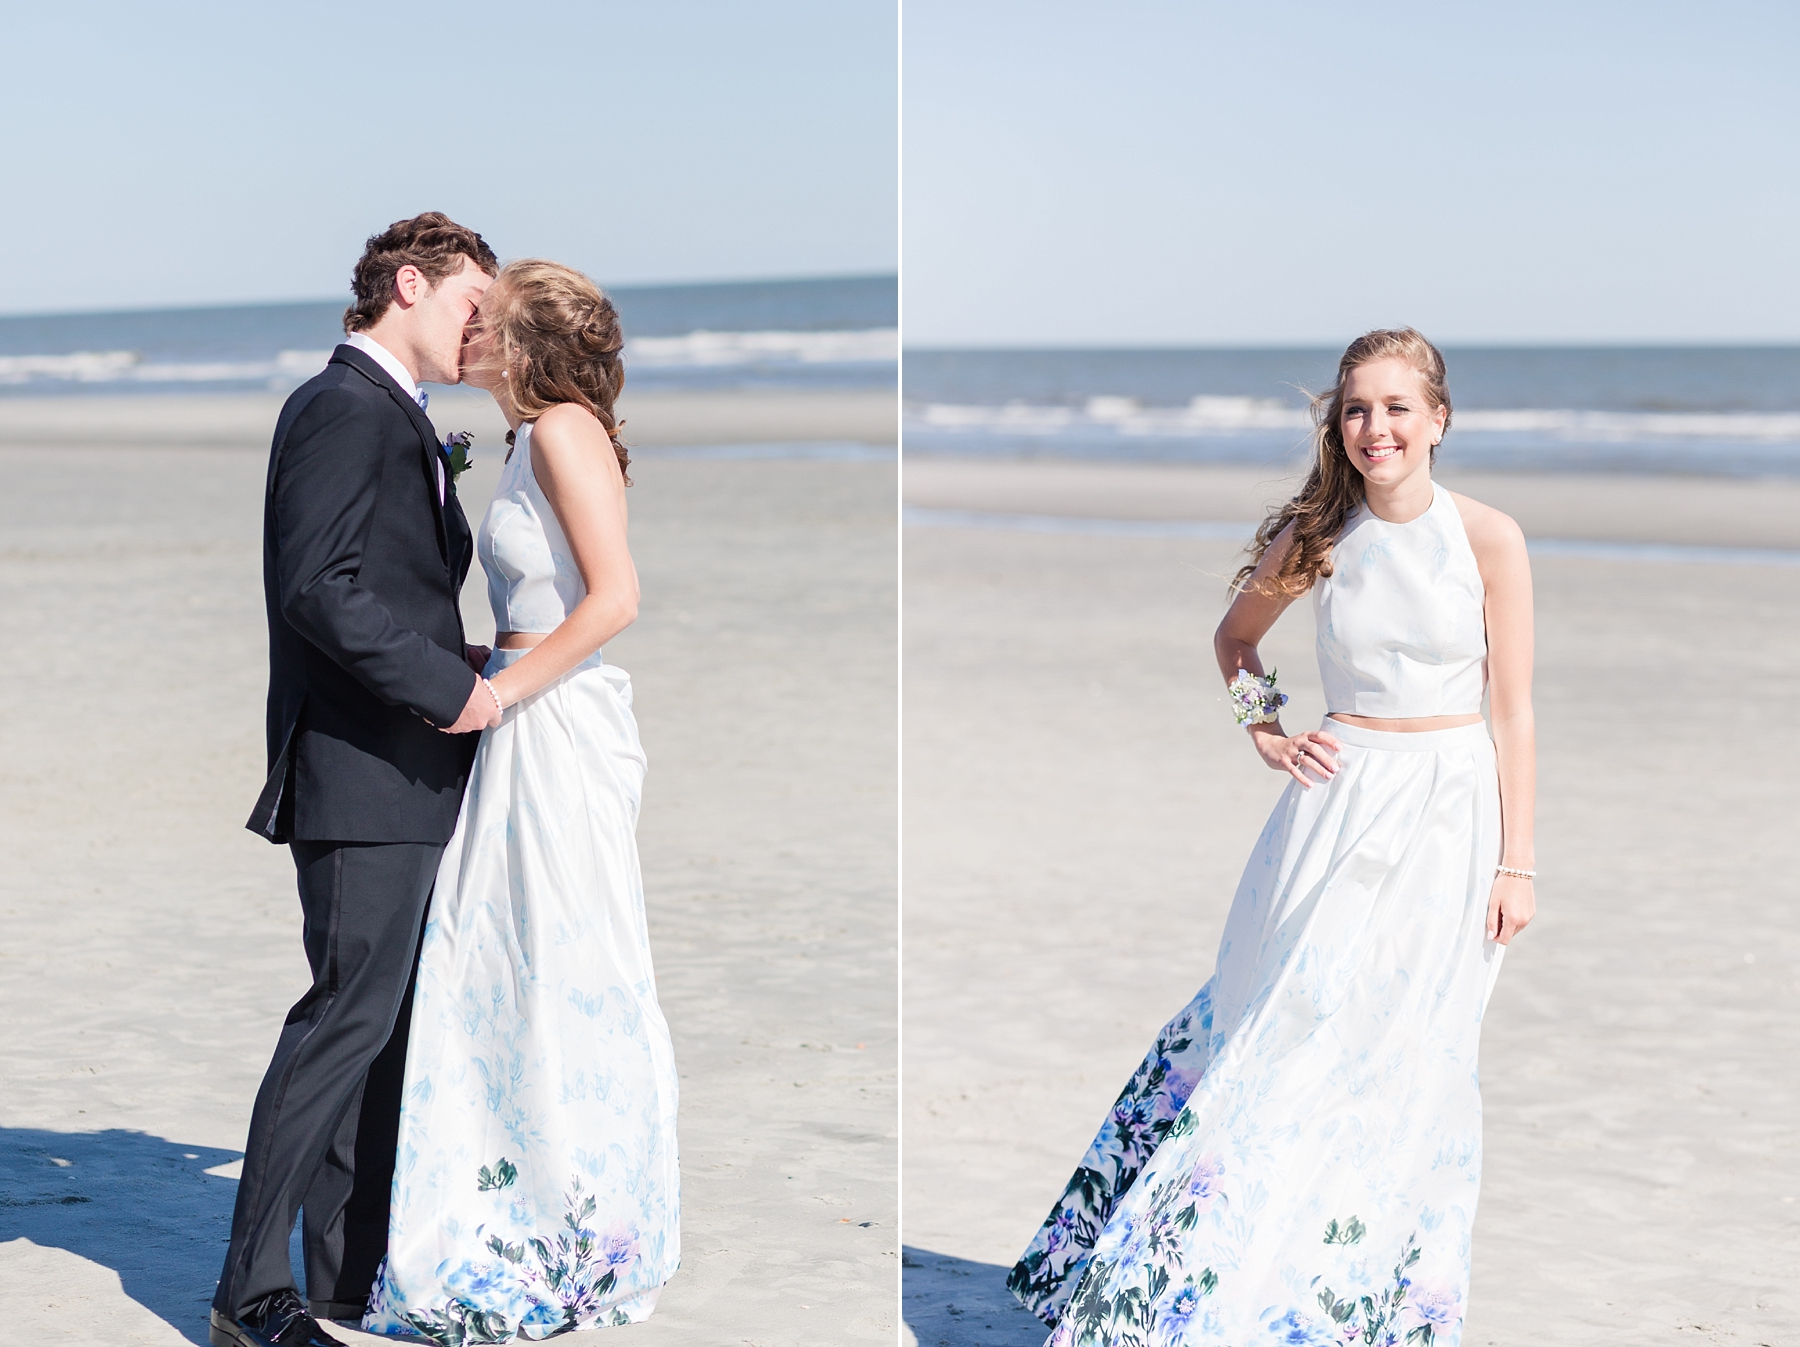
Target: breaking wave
point(696, 350)
point(1204, 417)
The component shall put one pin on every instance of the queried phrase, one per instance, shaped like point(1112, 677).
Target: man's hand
point(477, 656)
point(481, 713)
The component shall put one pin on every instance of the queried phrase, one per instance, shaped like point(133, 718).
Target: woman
point(536, 1187)
point(1298, 1158)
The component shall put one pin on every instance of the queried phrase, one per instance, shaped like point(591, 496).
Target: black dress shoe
point(280, 1320)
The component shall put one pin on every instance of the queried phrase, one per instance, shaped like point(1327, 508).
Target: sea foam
point(696, 349)
point(881, 344)
point(100, 367)
point(1231, 416)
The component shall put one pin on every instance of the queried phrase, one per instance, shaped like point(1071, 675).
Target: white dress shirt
point(387, 360)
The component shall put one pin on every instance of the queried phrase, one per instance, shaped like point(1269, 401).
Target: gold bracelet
point(1514, 874)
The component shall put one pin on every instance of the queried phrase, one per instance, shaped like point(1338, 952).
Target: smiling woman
point(1300, 1152)
point(1419, 409)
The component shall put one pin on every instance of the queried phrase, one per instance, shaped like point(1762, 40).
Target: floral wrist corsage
point(1255, 700)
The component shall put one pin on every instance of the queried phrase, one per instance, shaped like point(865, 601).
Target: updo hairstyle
point(558, 339)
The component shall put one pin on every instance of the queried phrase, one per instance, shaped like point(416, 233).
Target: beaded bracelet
point(1255, 700)
point(495, 695)
point(1511, 873)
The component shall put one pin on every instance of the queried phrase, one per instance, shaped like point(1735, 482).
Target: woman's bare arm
point(573, 461)
point(1252, 613)
point(1499, 548)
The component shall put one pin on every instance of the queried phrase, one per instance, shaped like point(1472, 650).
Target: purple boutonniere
point(456, 451)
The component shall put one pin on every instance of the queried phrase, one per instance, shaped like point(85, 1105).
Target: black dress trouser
point(326, 1122)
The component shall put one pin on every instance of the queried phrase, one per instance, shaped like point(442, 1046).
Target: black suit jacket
point(361, 571)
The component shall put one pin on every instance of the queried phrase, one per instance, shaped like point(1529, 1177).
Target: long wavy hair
point(1334, 488)
point(558, 339)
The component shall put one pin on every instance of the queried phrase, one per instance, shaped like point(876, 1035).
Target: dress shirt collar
point(380, 354)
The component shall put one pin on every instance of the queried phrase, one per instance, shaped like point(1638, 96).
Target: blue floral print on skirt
point(536, 1189)
point(1298, 1158)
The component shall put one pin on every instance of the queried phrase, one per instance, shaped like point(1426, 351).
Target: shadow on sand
point(142, 1206)
point(953, 1302)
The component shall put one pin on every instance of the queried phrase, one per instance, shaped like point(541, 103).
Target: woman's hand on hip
point(1303, 756)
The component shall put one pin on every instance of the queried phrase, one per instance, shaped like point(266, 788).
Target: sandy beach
point(653, 418)
point(153, 945)
point(1078, 806)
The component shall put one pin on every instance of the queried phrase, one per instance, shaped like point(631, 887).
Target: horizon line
point(6, 314)
point(1334, 347)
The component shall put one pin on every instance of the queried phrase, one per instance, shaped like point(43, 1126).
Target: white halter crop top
point(1402, 629)
point(532, 581)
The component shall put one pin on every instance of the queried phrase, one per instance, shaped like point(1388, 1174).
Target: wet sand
point(653, 418)
point(153, 945)
point(1078, 805)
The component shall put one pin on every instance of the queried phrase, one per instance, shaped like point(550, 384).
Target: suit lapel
point(428, 440)
point(456, 526)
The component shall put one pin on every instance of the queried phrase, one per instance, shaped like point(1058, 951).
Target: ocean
point(817, 333)
point(1707, 410)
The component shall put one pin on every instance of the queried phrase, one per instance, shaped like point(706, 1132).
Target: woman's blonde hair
point(1334, 488)
point(558, 339)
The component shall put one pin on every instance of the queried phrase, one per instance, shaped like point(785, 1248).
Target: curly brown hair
point(558, 339)
point(1334, 488)
point(432, 242)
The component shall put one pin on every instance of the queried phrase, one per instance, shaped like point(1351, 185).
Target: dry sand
point(1708, 511)
point(152, 945)
point(1078, 804)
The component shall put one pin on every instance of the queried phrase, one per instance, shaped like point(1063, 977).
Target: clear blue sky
point(1278, 172)
point(191, 153)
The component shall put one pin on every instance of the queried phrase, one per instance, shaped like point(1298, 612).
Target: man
point(364, 553)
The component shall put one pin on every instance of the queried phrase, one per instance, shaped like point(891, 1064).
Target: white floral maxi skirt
point(536, 1189)
point(1298, 1158)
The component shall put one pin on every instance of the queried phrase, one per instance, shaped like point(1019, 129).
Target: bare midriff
point(524, 640)
point(1414, 725)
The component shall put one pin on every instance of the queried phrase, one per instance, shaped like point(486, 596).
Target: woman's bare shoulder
point(1281, 544)
point(1492, 533)
point(568, 422)
point(1260, 586)
point(570, 434)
